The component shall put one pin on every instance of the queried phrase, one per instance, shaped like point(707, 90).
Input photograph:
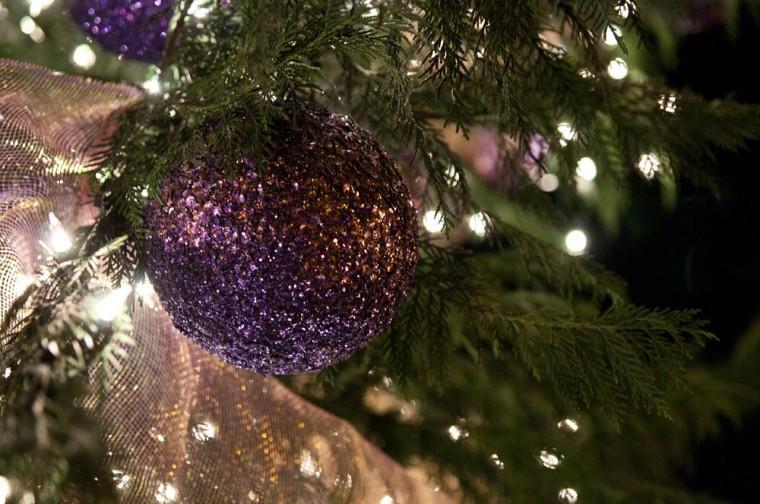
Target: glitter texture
point(295, 267)
point(132, 28)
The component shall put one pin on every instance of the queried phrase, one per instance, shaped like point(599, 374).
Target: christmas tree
point(340, 251)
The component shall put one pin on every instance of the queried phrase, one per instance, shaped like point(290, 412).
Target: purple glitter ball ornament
point(293, 266)
point(135, 29)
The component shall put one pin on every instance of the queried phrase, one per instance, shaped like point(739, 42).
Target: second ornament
point(295, 265)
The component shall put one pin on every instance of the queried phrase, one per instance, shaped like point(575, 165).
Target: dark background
point(706, 253)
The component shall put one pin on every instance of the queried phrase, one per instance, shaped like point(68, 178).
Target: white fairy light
point(387, 499)
point(586, 168)
point(568, 495)
point(611, 35)
point(576, 242)
point(199, 11)
point(478, 224)
point(37, 6)
point(83, 56)
point(308, 465)
point(669, 103)
point(203, 431)
point(548, 182)
point(152, 85)
point(5, 489)
point(58, 240)
point(495, 460)
point(106, 307)
point(586, 73)
point(452, 176)
point(456, 433)
point(27, 25)
point(22, 283)
point(549, 459)
point(165, 493)
point(566, 133)
point(617, 69)
point(433, 221)
point(624, 8)
point(649, 165)
point(145, 293)
point(568, 425)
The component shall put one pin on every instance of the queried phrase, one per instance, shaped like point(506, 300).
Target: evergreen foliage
point(482, 334)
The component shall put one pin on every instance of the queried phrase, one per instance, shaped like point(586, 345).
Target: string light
point(586, 168)
point(495, 460)
point(106, 307)
point(568, 495)
point(166, 493)
point(566, 133)
point(576, 242)
point(624, 8)
point(83, 56)
point(433, 221)
point(456, 433)
point(548, 182)
point(649, 165)
point(29, 27)
point(59, 240)
point(152, 85)
point(611, 35)
point(5, 489)
point(548, 459)
point(478, 224)
point(617, 69)
point(568, 425)
point(669, 103)
point(199, 11)
point(37, 6)
point(387, 499)
point(145, 293)
point(452, 176)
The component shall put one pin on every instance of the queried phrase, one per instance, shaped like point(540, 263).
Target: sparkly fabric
point(181, 425)
point(296, 267)
point(136, 29)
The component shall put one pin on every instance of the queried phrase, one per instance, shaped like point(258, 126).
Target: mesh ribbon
point(182, 425)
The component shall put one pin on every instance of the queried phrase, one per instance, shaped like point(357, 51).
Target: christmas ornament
point(135, 29)
point(292, 266)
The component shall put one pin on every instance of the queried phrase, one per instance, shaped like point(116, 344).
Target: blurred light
point(5, 489)
point(456, 433)
point(83, 56)
point(27, 498)
point(433, 221)
point(576, 242)
point(37, 6)
point(152, 85)
point(611, 35)
point(8, 371)
point(649, 165)
point(308, 465)
point(387, 499)
point(165, 493)
point(120, 479)
point(59, 240)
point(452, 176)
point(199, 11)
point(568, 425)
point(669, 103)
point(586, 168)
point(548, 459)
point(548, 182)
point(204, 431)
point(478, 224)
point(495, 460)
point(37, 34)
point(27, 25)
point(109, 305)
point(22, 283)
point(617, 69)
point(568, 496)
point(586, 73)
point(624, 8)
point(566, 133)
point(145, 293)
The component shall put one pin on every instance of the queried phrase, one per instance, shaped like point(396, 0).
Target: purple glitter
point(296, 267)
point(133, 28)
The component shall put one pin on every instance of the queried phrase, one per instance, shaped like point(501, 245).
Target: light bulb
point(478, 224)
point(83, 56)
point(617, 69)
point(433, 221)
point(576, 242)
point(586, 168)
